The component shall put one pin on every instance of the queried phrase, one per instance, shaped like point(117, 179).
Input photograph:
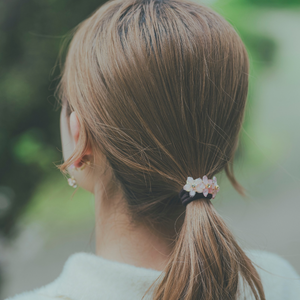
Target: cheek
point(66, 138)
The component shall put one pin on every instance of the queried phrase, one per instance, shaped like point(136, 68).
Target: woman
point(153, 98)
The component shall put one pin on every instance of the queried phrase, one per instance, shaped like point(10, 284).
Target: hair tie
point(198, 188)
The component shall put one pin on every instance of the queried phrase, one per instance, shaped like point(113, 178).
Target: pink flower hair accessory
point(199, 188)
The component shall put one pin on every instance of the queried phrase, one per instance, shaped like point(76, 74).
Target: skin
point(117, 238)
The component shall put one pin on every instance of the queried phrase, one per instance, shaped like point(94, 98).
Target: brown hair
point(160, 88)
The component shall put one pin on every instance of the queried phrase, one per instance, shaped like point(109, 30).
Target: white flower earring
point(71, 181)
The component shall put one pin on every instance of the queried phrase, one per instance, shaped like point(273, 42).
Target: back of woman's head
point(160, 89)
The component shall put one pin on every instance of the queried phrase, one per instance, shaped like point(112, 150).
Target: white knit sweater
point(86, 276)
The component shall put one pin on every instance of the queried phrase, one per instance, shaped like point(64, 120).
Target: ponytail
point(206, 260)
point(207, 263)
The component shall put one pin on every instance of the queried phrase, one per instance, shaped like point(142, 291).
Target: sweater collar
point(88, 276)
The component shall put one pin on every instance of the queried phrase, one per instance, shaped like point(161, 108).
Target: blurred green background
point(42, 222)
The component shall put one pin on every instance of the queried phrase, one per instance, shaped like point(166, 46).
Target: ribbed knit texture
point(86, 276)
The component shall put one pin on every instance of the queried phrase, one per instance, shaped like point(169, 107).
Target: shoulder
point(280, 280)
point(272, 262)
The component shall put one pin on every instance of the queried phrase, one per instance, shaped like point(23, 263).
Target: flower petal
point(205, 180)
point(192, 193)
point(198, 181)
point(205, 192)
point(199, 188)
point(202, 185)
point(187, 187)
point(190, 180)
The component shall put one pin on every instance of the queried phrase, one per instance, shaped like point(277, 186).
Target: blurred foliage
point(242, 15)
point(31, 35)
point(276, 3)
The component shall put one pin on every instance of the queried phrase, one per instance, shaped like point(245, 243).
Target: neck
point(119, 240)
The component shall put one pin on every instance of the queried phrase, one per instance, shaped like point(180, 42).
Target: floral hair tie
point(199, 188)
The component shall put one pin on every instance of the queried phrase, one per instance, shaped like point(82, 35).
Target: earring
point(72, 182)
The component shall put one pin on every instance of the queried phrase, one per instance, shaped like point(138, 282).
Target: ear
point(75, 131)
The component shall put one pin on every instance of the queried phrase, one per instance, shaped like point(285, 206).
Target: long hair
point(160, 88)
